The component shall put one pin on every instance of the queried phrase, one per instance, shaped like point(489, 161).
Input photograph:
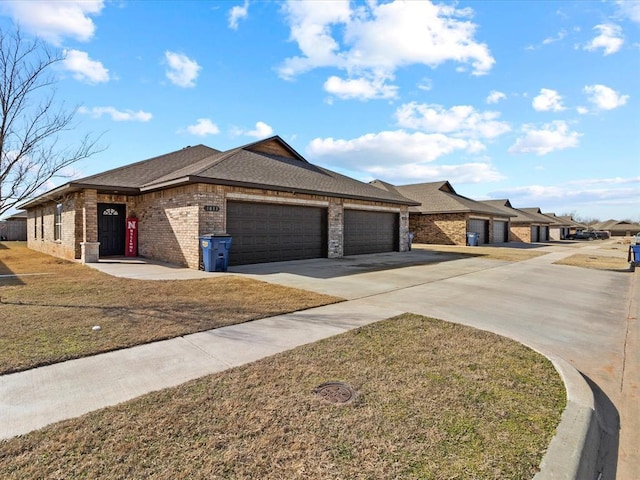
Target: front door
point(111, 228)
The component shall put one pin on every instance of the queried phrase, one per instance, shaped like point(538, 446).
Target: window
point(42, 224)
point(57, 230)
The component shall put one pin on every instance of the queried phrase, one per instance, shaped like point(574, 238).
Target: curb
point(573, 451)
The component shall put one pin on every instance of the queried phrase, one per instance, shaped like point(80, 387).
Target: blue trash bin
point(215, 252)
point(634, 255)
point(472, 239)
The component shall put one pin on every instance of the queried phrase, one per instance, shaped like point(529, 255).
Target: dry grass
point(491, 253)
point(49, 318)
point(595, 261)
point(435, 401)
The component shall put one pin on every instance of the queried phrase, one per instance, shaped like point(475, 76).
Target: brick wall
point(171, 220)
point(336, 229)
point(520, 234)
point(41, 229)
point(443, 229)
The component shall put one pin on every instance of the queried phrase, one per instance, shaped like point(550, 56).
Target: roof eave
point(277, 188)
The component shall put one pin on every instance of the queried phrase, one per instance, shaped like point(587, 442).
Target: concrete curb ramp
point(573, 451)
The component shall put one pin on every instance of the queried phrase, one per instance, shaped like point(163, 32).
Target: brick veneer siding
point(520, 234)
point(171, 220)
point(440, 228)
point(336, 229)
point(41, 229)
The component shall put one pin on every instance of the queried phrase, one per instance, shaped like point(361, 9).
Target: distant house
point(560, 228)
point(14, 228)
point(524, 227)
point(274, 203)
point(445, 217)
point(573, 225)
point(618, 228)
point(539, 229)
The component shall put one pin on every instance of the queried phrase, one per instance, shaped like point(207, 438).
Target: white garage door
point(500, 231)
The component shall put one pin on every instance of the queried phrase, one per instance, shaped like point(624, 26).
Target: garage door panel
point(265, 232)
point(481, 227)
point(370, 232)
point(500, 231)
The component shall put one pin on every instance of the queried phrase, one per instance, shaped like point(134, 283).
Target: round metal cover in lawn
point(335, 392)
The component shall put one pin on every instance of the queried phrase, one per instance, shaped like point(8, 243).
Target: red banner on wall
point(131, 247)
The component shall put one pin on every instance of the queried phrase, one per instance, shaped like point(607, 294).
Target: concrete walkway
point(584, 318)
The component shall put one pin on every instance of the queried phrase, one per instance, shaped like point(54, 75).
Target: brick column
point(336, 229)
point(90, 247)
point(404, 229)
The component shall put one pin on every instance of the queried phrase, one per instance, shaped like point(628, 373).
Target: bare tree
point(31, 123)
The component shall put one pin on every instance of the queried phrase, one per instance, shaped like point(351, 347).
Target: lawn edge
point(573, 450)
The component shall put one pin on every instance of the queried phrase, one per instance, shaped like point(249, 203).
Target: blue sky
point(534, 101)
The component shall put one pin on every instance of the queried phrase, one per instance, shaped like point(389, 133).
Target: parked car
point(582, 236)
point(601, 234)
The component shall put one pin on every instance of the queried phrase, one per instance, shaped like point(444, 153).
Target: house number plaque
point(211, 208)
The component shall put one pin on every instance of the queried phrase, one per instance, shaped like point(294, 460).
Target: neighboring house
point(524, 227)
point(445, 217)
point(618, 228)
point(14, 228)
point(574, 226)
point(560, 228)
point(540, 227)
point(275, 204)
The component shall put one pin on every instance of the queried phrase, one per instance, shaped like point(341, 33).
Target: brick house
point(275, 204)
point(445, 217)
point(560, 228)
point(526, 226)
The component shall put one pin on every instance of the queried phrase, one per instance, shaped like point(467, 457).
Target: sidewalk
point(582, 324)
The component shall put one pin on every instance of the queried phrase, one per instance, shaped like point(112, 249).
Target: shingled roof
point(518, 216)
point(439, 197)
point(267, 164)
point(536, 213)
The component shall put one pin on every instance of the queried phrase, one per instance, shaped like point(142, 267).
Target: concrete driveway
point(586, 317)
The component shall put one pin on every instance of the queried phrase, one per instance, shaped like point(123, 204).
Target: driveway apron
point(586, 317)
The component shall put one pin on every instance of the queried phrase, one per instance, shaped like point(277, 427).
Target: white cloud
point(117, 115)
point(182, 70)
point(610, 39)
point(203, 127)
point(238, 13)
point(551, 137)
point(402, 157)
point(460, 120)
point(262, 130)
point(83, 68)
point(475, 172)
point(548, 100)
point(387, 147)
point(605, 98)
point(495, 96)
point(629, 9)
point(359, 88)
point(589, 193)
point(561, 35)
point(372, 41)
point(55, 20)
point(582, 110)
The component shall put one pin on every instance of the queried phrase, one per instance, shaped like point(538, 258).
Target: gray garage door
point(544, 234)
point(370, 232)
point(500, 231)
point(264, 232)
point(481, 227)
point(535, 233)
